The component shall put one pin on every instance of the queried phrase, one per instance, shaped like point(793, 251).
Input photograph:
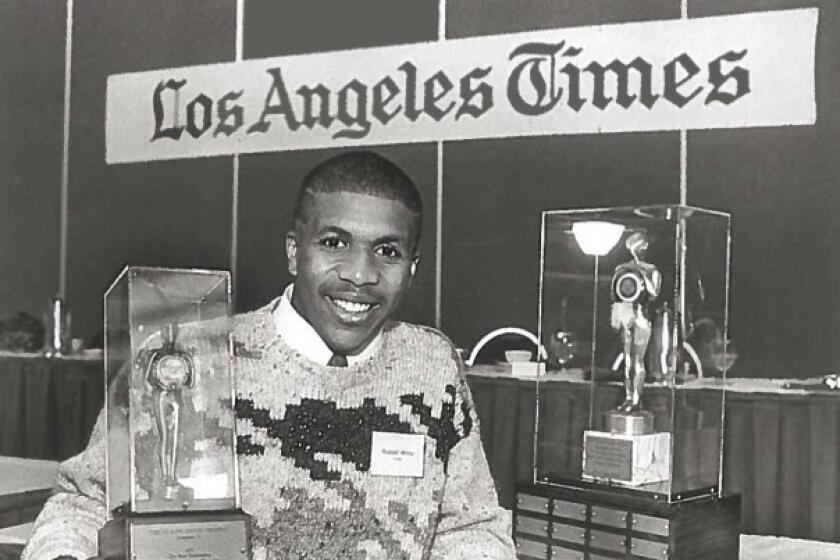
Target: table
point(755, 547)
point(48, 405)
point(25, 484)
point(781, 453)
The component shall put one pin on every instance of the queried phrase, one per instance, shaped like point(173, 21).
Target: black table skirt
point(10, 551)
point(782, 451)
point(48, 406)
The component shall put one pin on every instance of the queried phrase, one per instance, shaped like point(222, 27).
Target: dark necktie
point(338, 360)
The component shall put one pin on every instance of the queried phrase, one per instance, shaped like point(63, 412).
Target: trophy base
point(630, 423)
point(152, 536)
point(631, 460)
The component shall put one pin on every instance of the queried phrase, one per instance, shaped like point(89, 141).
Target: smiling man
point(373, 448)
point(356, 434)
point(353, 251)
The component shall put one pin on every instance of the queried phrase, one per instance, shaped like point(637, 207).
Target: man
point(324, 376)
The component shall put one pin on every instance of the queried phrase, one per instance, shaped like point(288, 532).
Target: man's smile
point(351, 311)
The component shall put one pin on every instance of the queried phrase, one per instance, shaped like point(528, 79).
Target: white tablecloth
point(18, 534)
point(21, 475)
point(755, 547)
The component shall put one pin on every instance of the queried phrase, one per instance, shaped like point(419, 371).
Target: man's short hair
point(361, 172)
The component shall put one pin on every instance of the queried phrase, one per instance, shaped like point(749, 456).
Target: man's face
point(353, 260)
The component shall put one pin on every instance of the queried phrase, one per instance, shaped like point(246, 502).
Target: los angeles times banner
point(749, 70)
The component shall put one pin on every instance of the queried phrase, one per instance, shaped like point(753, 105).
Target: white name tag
point(397, 454)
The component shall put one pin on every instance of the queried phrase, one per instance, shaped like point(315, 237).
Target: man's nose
point(358, 268)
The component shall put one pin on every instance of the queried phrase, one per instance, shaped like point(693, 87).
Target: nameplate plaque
point(190, 540)
point(608, 457)
point(626, 459)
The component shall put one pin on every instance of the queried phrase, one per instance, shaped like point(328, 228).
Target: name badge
point(397, 454)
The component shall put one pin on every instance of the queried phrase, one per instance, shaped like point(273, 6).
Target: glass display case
point(644, 293)
point(169, 402)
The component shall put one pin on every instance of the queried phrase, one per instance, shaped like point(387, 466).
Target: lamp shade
point(596, 238)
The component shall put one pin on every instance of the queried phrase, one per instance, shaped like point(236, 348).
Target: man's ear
point(291, 252)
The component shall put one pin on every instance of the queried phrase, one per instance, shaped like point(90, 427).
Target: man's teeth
point(352, 306)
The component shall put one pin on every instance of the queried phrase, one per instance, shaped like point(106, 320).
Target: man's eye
point(388, 251)
point(333, 243)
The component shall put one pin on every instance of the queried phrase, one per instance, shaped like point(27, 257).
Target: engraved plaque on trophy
point(171, 482)
point(633, 460)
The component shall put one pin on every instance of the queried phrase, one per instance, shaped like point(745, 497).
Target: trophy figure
point(635, 285)
point(169, 370)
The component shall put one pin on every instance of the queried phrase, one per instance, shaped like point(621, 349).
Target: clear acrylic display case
point(169, 398)
point(644, 292)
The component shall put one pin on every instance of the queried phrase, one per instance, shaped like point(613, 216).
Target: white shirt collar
point(301, 336)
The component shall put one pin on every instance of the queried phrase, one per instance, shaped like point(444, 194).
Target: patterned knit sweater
point(304, 450)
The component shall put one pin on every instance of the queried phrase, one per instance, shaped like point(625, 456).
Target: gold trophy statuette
point(635, 285)
point(169, 370)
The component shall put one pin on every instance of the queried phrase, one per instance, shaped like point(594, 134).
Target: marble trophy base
point(631, 460)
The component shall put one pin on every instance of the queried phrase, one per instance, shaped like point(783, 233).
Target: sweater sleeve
point(68, 524)
point(472, 525)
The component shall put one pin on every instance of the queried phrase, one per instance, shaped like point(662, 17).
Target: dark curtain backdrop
point(779, 183)
point(172, 213)
point(31, 109)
